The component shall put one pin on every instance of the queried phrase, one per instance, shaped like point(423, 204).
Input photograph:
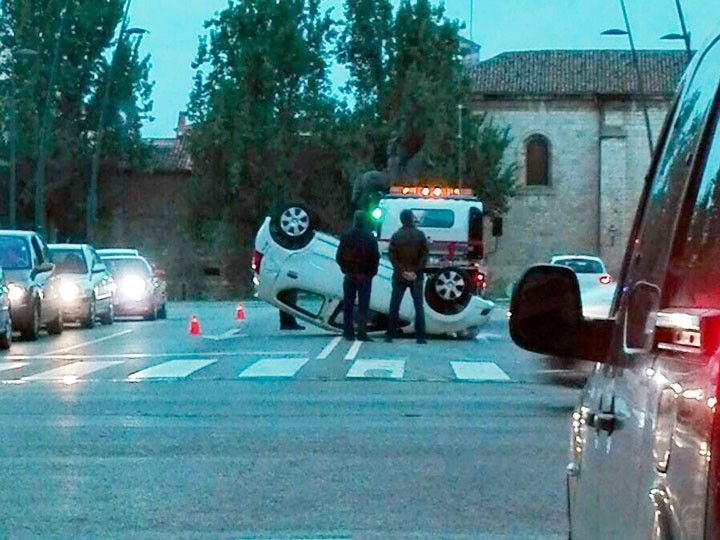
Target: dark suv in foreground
point(645, 438)
point(33, 286)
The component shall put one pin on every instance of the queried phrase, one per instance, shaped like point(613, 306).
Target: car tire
point(293, 227)
point(448, 290)
point(162, 312)
point(89, 320)
point(31, 330)
point(6, 336)
point(56, 326)
point(107, 318)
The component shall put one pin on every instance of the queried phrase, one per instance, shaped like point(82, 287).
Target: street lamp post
point(685, 36)
point(640, 86)
point(460, 146)
point(92, 195)
point(45, 128)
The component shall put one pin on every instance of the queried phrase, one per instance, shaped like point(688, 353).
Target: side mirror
point(98, 268)
point(497, 226)
point(43, 268)
point(546, 316)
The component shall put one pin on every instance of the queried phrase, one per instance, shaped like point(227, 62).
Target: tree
point(407, 78)
point(263, 120)
point(87, 41)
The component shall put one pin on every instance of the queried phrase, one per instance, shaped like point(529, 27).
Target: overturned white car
point(295, 270)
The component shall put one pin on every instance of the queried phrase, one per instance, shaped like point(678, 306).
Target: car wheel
point(448, 290)
point(108, 317)
point(89, 320)
point(55, 327)
point(162, 312)
point(293, 227)
point(6, 336)
point(31, 330)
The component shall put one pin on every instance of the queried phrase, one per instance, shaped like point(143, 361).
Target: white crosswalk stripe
point(7, 366)
point(173, 369)
point(273, 368)
point(478, 371)
point(70, 373)
point(377, 369)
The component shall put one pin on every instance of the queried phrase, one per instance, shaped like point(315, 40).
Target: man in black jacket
point(408, 254)
point(358, 256)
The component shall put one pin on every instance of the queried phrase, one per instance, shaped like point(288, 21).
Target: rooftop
point(578, 73)
point(170, 155)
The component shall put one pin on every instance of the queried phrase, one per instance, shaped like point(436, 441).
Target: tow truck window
point(434, 219)
point(694, 272)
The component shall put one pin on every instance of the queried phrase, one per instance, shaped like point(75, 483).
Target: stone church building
point(581, 146)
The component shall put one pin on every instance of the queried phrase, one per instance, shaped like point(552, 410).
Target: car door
point(46, 282)
point(616, 456)
point(101, 280)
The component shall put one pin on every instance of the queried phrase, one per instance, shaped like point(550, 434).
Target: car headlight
point(133, 287)
point(16, 292)
point(69, 291)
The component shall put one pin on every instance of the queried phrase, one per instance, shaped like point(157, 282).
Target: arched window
point(537, 161)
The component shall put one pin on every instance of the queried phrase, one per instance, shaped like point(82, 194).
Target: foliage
point(85, 32)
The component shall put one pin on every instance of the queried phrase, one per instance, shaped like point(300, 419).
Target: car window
point(69, 261)
point(15, 253)
point(694, 271)
point(434, 218)
point(118, 267)
point(669, 182)
point(582, 266)
point(40, 255)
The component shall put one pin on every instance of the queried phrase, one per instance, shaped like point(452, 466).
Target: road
point(140, 430)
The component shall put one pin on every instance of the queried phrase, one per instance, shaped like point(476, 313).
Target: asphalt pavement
point(141, 430)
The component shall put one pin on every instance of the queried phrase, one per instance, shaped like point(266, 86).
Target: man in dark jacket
point(358, 257)
point(408, 254)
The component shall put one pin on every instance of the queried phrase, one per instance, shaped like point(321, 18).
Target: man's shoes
point(349, 337)
point(364, 337)
point(292, 327)
point(421, 341)
point(388, 339)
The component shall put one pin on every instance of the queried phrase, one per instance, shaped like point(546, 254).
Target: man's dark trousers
point(398, 291)
point(360, 286)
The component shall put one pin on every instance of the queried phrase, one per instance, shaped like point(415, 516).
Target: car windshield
point(14, 253)
point(69, 261)
point(434, 218)
point(582, 266)
point(126, 266)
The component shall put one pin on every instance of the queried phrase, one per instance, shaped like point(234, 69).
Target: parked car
point(5, 318)
point(597, 287)
point(33, 285)
point(138, 291)
point(645, 437)
point(87, 289)
point(298, 274)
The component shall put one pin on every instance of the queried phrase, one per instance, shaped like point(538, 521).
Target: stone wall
point(598, 159)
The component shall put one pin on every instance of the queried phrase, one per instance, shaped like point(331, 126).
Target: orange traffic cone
point(194, 328)
point(240, 313)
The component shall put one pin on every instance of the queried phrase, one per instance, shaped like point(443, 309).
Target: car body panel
point(312, 270)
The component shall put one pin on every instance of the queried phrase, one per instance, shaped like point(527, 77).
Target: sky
point(498, 26)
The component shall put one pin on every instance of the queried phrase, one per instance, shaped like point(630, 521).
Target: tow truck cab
point(452, 220)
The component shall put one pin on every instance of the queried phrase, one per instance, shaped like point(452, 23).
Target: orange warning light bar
point(437, 192)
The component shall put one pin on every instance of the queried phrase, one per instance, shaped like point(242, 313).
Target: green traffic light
point(376, 214)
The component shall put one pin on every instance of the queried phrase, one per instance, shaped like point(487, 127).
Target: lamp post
point(12, 188)
point(45, 127)
point(640, 87)
point(460, 145)
point(685, 36)
point(92, 195)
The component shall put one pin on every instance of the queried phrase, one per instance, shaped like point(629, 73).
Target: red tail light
point(256, 261)
point(480, 278)
point(605, 279)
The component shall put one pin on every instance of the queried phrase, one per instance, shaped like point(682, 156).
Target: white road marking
point(7, 366)
point(329, 348)
point(140, 356)
point(377, 369)
point(273, 368)
point(478, 371)
point(172, 369)
point(71, 373)
point(354, 350)
point(85, 344)
point(490, 337)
